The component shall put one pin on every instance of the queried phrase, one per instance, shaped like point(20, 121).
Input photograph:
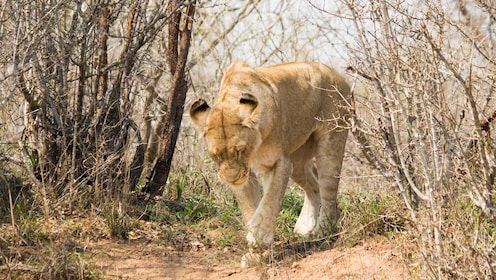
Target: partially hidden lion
point(282, 121)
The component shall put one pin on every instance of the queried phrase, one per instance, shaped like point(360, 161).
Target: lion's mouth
point(238, 181)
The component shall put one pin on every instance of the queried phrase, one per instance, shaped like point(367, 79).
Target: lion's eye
point(215, 157)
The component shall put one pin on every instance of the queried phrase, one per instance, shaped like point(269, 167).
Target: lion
point(282, 121)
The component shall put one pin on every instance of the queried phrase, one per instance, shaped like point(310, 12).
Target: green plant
point(119, 223)
point(291, 208)
point(62, 263)
point(157, 212)
point(180, 184)
point(31, 227)
point(227, 238)
point(364, 215)
point(197, 208)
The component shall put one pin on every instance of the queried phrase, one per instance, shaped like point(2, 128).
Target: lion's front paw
point(253, 258)
point(252, 241)
point(260, 231)
point(257, 237)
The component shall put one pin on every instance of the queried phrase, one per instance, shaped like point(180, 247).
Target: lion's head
point(230, 130)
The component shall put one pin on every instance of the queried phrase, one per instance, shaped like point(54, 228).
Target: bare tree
point(92, 75)
point(180, 28)
point(424, 90)
point(78, 67)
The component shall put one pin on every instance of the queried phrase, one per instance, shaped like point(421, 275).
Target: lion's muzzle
point(233, 176)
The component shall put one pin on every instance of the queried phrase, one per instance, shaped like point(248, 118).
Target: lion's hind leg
point(329, 160)
point(305, 175)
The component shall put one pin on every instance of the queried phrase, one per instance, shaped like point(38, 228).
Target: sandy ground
point(145, 260)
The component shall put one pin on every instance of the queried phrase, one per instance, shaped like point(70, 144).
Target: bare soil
point(140, 259)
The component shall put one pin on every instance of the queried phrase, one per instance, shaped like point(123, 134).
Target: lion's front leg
point(248, 197)
point(261, 226)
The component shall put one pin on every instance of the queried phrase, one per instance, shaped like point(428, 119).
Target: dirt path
point(145, 260)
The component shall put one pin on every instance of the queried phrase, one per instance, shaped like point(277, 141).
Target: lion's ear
point(198, 112)
point(249, 110)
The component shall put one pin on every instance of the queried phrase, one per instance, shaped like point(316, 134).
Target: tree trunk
point(179, 43)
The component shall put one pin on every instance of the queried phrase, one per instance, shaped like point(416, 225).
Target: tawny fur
point(281, 121)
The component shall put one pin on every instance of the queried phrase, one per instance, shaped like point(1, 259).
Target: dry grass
point(425, 103)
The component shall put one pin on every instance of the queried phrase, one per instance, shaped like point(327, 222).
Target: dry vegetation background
point(86, 87)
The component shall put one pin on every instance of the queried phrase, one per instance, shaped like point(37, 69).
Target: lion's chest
point(264, 158)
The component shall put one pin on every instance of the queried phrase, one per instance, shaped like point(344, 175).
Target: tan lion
point(287, 120)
